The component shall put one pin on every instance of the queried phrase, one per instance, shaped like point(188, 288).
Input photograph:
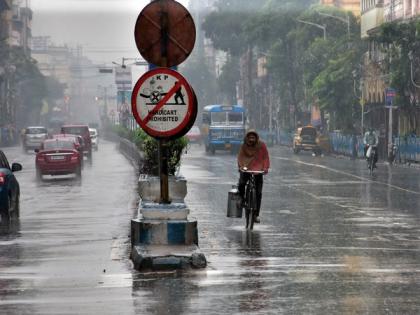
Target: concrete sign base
point(155, 257)
point(162, 237)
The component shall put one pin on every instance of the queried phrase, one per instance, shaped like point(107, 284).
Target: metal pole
point(390, 131)
point(106, 103)
point(163, 152)
point(363, 117)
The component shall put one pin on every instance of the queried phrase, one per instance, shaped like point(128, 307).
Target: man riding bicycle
point(371, 139)
point(253, 156)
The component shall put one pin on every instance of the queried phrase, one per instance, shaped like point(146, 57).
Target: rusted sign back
point(165, 33)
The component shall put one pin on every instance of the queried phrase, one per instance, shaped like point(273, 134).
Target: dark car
point(58, 157)
point(306, 139)
point(81, 130)
point(9, 188)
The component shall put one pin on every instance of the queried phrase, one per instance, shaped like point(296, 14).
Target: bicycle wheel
point(371, 158)
point(247, 210)
point(253, 207)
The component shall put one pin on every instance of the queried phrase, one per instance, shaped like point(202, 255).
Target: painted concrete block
point(156, 211)
point(156, 232)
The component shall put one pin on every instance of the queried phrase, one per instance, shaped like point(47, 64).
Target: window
point(56, 145)
point(35, 131)
point(235, 117)
point(218, 118)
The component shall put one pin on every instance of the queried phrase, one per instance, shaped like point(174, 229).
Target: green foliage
point(202, 80)
point(150, 146)
point(227, 80)
point(304, 67)
point(122, 132)
point(401, 40)
point(232, 41)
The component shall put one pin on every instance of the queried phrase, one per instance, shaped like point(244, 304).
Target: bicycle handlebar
point(251, 172)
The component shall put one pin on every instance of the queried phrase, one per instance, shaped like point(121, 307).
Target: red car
point(81, 130)
point(78, 140)
point(58, 157)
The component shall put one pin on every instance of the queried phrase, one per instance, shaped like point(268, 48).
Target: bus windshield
point(235, 118)
point(218, 118)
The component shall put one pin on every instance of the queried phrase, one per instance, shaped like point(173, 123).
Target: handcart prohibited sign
point(163, 103)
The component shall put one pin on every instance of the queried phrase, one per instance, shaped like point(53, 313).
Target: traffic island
point(162, 237)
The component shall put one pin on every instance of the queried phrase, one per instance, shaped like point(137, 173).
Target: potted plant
point(149, 182)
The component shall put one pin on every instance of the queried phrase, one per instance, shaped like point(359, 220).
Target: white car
point(94, 138)
point(33, 137)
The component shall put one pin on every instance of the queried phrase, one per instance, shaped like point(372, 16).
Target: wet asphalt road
point(332, 240)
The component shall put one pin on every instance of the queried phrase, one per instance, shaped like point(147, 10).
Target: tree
point(201, 79)
point(400, 42)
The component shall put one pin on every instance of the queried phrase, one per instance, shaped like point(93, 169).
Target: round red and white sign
point(163, 103)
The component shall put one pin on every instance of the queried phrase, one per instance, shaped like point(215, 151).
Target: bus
point(223, 128)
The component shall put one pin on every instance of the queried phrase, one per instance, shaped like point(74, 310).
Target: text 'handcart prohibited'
point(163, 103)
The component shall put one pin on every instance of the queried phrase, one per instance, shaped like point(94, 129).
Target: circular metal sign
point(163, 103)
point(165, 33)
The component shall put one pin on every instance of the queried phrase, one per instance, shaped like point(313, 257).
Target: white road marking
point(348, 174)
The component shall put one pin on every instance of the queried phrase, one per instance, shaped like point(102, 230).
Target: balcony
point(371, 19)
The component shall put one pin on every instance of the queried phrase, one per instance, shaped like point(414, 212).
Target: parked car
point(94, 138)
point(58, 157)
point(306, 139)
point(33, 137)
point(194, 135)
point(9, 188)
point(81, 130)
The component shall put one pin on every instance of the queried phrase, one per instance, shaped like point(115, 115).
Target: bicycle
point(250, 202)
point(371, 159)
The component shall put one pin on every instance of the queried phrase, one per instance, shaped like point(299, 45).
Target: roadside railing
point(408, 149)
point(349, 145)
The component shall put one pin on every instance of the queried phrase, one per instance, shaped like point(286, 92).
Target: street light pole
point(347, 21)
point(323, 27)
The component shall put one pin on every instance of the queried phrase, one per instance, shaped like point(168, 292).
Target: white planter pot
point(149, 189)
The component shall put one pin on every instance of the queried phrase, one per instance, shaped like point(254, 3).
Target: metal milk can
point(234, 209)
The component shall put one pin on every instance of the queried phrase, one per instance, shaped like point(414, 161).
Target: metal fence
point(350, 145)
point(408, 149)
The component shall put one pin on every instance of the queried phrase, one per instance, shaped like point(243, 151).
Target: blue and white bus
point(223, 127)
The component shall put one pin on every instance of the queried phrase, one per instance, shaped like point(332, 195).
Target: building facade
point(348, 5)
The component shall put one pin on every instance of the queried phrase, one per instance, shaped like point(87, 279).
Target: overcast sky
point(105, 28)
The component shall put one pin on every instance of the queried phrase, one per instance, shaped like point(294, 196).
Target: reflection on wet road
point(332, 240)
point(68, 252)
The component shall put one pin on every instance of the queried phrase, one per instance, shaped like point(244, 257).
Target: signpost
point(390, 94)
point(163, 102)
point(165, 106)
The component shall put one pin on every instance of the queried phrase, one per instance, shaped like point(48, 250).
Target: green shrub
point(123, 132)
point(150, 148)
